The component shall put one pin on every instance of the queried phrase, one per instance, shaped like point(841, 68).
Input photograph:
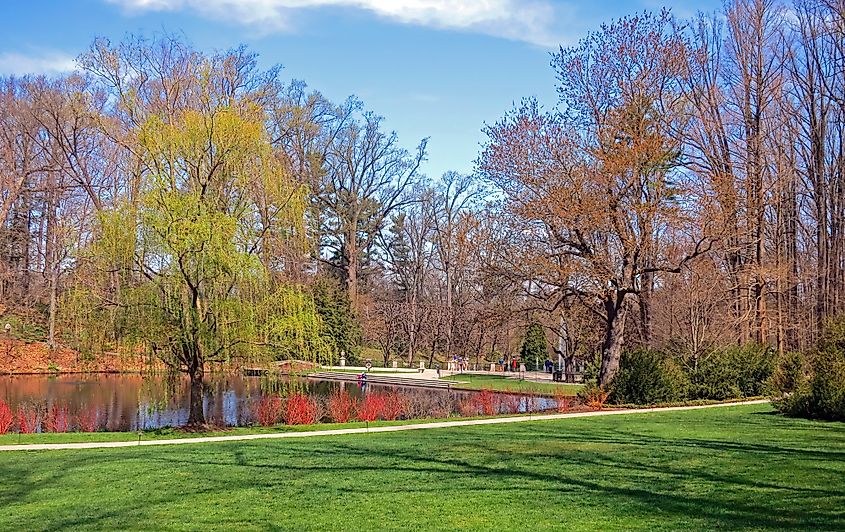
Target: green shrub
point(592, 368)
point(814, 386)
point(790, 373)
point(827, 389)
point(819, 395)
point(733, 373)
point(648, 377)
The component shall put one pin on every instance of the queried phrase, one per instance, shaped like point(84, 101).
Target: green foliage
point(534, 345)
point(340, 326)
point(827, 389)
point(733, 373)
point(187, 271)
point(24, 327)
point(648, 377)
point(814, 386)
point(592, 367)
point(295, 328)
point(790, 373)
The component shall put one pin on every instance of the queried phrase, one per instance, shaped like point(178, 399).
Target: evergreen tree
point(338, 319)
point(534, 347)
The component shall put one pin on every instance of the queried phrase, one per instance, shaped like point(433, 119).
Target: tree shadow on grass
point(611, 473)
point(733, 501)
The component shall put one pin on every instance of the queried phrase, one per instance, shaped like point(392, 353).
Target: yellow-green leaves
point(295, 330)
point(196, 251)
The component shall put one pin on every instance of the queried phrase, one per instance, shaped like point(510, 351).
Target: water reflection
point(133, 402)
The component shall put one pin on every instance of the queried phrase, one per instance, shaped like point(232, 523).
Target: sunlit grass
point(723, 468)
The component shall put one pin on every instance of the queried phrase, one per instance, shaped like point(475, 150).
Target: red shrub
point(484, 403)
point(6, 417)
point(268, 410)
point(371, 407)
point(487, 402)
point(27, 420)
point(342, 406)
point(57, 419)
point(468, 407)
point(87, 420)
point(564, 402)
point(300, 410)
point(511, 404)
point(595, 397)
point(393, 406)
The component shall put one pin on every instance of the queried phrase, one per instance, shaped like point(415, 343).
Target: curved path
point(335, 432)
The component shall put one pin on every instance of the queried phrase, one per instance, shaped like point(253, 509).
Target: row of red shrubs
point(342, 407)
point(302, 409)
point(56, 418)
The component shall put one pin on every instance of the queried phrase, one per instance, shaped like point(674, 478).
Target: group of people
point(460, 363)
point(509, 364)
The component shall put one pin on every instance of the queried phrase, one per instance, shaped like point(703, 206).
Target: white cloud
point(521, 20)
point(18, 64)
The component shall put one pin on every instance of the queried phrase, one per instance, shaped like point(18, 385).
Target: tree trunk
point(449, 314)
point(611, 349)
point(196, 416)
point(645, 309)
point(352, 275)
point(54, 282)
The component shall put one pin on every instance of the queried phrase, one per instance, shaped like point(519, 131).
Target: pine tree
point(534, 347)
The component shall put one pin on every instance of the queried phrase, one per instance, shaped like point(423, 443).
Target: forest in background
point(686, 194)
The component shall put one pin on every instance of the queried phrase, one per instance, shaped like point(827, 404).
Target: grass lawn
point(495, 382)
point(721, 468)
point(169, 433)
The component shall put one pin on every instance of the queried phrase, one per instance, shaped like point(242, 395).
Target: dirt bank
point(18, 357)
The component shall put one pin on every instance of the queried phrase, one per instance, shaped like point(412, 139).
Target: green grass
point(495, 382)
point(168, 433)
point(720, 468)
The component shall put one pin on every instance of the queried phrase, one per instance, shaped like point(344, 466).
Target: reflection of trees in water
point(152, 400)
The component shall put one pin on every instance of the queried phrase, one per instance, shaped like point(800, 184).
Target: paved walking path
point(335, 432)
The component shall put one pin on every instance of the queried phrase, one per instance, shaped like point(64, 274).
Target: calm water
point(133, 402)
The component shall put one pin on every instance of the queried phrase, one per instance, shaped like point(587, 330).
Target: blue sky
point(432, 68)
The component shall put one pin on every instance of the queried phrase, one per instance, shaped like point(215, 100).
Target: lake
point(145, 402)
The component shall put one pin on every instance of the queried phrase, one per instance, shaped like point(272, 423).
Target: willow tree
point(199, 290)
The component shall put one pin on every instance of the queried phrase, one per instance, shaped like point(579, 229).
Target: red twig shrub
point(393, 407)
point(6, 417)
point(371, 407)
point(564, 402)
point(511, 404)
point(594, 397)
point(268, 410)
point(300, 410)
point(487, 402)
point(58, 419)
point(87, 420)
point(468, 407)
point(342, 406)
point(28, 420)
